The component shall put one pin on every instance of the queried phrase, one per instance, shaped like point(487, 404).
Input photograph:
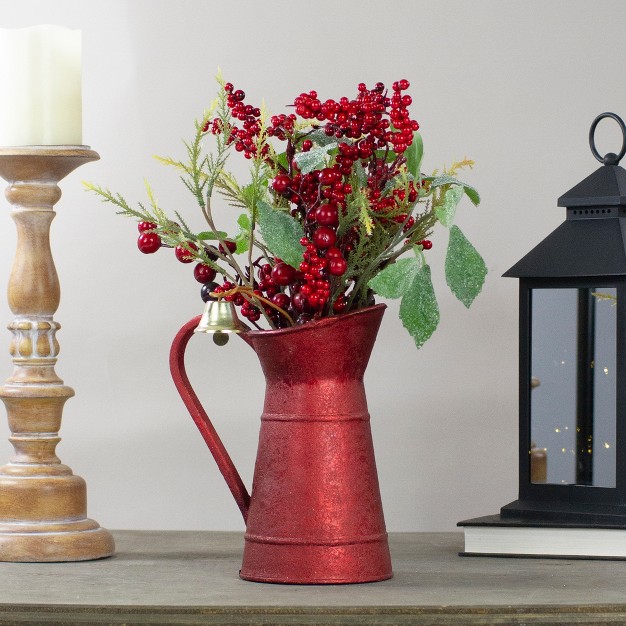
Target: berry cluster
point(148, 242)
point(372, 130)
point(370, 122)
point(244, 138)
point(336, 191)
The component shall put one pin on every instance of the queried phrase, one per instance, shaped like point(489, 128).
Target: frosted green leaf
point(414, 154)
point(419, 311)
point(320, 137)
point(444, 179)
point(281, 233)
point(394, 280)
point(445, 212)
point(313, 159)
point(465, 268)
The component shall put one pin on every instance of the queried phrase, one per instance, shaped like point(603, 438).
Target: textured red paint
point(315, 514)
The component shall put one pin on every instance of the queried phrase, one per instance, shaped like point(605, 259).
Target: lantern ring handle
point(610, 158)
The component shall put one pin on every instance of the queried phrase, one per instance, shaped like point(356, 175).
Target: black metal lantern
point(572, 371)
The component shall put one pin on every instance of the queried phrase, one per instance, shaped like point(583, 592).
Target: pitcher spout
point(332, 347)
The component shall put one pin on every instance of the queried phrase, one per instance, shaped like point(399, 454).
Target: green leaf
point(282, 160)
point(445, 212)
point(243, 243)
point(313, 159)
point(394, 280)
point(207, 235)
point(465, 268)
point(243, 237)
point(244, 221)
point(472, 194)
point(444, 179)
point(281, 233)
point(320, 137)
point(389, 155)
point(414, 154)
point(249, 193)
point(419, 311)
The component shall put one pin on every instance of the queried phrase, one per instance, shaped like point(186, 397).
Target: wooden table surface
point(160, 577)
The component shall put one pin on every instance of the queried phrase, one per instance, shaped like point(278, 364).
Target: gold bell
point(220, 319)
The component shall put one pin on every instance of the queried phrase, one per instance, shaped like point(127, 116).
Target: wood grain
point(43, 505)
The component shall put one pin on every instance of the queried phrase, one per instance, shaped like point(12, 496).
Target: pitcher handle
point(201, 419)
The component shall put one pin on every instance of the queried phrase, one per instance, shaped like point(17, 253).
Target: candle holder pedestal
point(43, 505)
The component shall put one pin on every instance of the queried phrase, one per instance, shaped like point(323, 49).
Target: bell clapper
point(220, 338)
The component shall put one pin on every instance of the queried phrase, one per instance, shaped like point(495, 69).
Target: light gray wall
point(513, 85)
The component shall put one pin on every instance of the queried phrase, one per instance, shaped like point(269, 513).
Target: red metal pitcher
point(314, 515)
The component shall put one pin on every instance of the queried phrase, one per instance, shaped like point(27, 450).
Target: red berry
point(337, 267)
point(324, 237)
point(231, 245)
point(328, 176)
point(314, 300)
point(281, 300)
point(283, 274)
point(203, 273)
point(183, 254)
point(280, 183)
point(427, 244)
point(143, 226)
point(334, 253)
point(148, 243)
point(300, 303)
point(327, 215)
point(339, 304)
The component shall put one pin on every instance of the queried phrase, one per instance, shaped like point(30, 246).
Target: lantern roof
point(592, 240)
point(605, 187)
point(589, 247)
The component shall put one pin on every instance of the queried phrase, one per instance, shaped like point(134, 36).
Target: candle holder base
point(43, 505)
point(84, 540)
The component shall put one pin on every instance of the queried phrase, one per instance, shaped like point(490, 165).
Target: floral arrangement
point(335, 212)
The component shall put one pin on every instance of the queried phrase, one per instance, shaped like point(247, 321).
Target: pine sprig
point(228, 187)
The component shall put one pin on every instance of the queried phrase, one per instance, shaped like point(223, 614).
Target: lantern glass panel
point(573, 386)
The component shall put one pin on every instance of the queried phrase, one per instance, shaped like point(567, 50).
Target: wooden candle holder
point(43, 505)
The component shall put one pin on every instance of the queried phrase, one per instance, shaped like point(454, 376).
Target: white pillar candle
point(41, 103)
